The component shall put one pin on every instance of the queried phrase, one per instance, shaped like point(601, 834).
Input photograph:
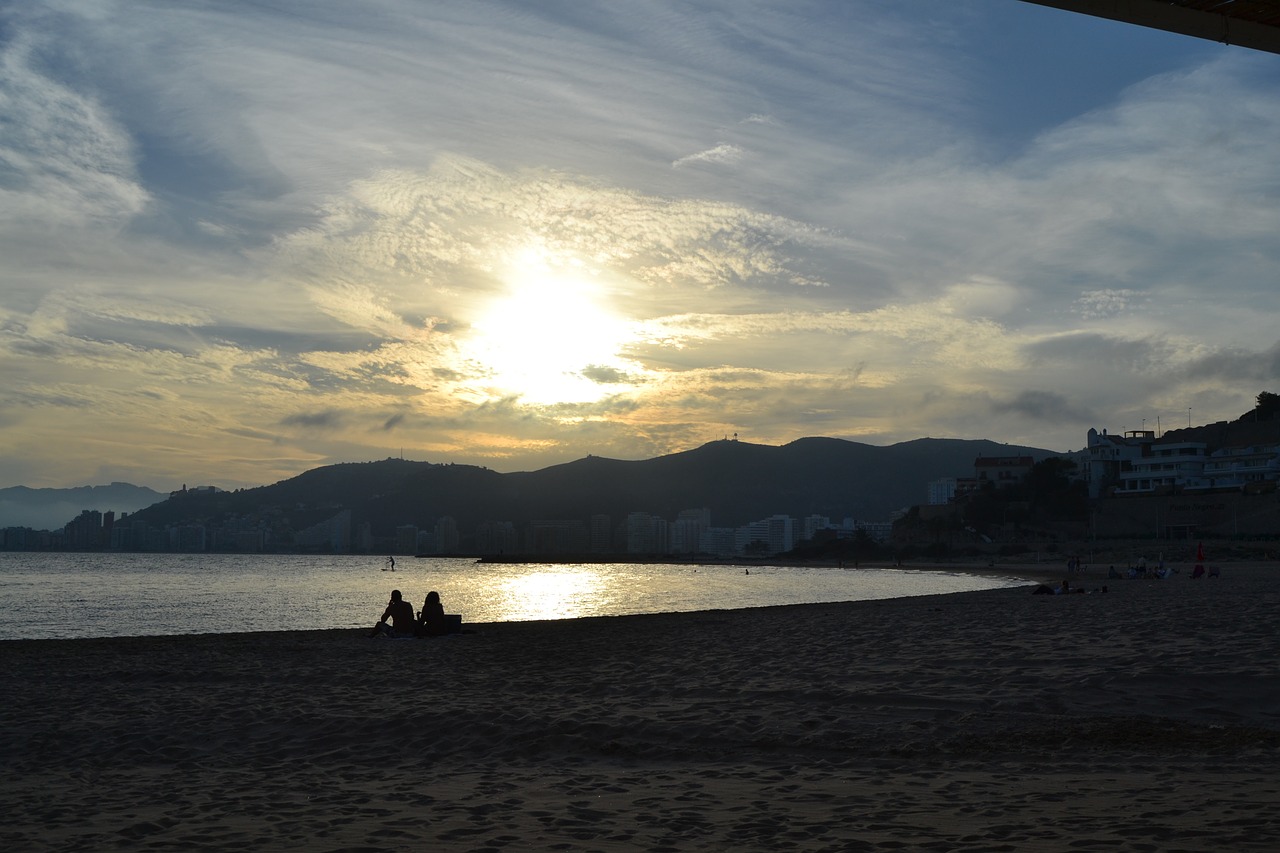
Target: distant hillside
point(739, 482)
point(50, 509)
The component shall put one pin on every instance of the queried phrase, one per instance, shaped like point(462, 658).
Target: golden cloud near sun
point(552, 323)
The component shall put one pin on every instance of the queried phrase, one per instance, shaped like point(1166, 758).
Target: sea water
point(56, 595)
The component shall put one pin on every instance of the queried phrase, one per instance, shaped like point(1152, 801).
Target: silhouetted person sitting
point(400, 612)
point(1044, 589)
point(431, 619)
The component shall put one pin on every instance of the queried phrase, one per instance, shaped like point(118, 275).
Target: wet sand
point(1145, 718)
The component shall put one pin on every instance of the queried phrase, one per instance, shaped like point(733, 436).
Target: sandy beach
point(1144, 718)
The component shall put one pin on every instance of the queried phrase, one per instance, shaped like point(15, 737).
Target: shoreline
point(1145, 718)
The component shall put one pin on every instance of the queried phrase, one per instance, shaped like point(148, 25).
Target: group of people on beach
point(1159, 572)
point(399, 620)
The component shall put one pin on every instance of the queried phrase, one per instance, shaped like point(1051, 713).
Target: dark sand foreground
point(1146, 718)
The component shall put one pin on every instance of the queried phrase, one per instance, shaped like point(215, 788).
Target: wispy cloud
point(723, 153)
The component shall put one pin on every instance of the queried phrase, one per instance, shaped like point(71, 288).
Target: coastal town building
point(1249, 469)
point(406, 539)
point(1002, 471)
point(1111, 455)
point(496, 537)
point(813, 523)
point(84, 532)
point(941, 491)
point(646, 534)
point(447, 538)
point(188, 538)
point(332, 535)
point(1162, 468)
point(719, 541)
point(877, 531)
point(686, 531)
point(1139, 463)
point(601, 534)
point(772, 535)
point(554, 537)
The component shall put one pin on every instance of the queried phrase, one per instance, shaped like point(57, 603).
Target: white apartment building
point(814, 523)
point(776, 531)
point(687, 530)
point(1136, 464)
point(877, 531)
point(1240, 468)
point(1163, 468)
point(941, 491)
point(1109, 455)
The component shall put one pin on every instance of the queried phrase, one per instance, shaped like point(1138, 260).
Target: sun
point(540, 339)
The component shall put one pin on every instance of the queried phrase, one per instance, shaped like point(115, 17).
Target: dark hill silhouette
point(737, 481)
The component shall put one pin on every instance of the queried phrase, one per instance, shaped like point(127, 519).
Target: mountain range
point(47, 509)
point(737, 481)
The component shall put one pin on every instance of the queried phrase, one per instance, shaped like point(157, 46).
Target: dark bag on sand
point(453, 623)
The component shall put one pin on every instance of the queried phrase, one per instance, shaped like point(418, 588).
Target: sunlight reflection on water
point(99, 595)
point(550, 594)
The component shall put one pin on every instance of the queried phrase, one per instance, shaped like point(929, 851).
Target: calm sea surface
point(118, 595)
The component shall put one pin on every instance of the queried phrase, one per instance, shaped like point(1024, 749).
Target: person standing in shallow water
point(400, 612)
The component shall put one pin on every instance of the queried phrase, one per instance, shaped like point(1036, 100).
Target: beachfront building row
point(639, 534)
point(1133, 463)
point(1136, 463)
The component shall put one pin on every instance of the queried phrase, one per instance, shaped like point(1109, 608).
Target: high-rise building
point(447, 538)
point(497, 537)
point(686, 532)
point(601, 534)
point(407, 539)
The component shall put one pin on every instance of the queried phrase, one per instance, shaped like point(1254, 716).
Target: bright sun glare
point(551, 325)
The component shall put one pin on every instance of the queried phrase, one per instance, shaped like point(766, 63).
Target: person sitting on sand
point(431, 619)
point(1044, 589)
point(400, 612)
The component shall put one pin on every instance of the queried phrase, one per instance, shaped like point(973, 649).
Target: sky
point(242, 240)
